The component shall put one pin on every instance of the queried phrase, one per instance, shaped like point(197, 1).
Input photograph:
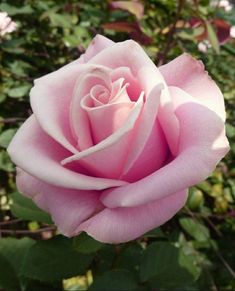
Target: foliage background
point(193, 251)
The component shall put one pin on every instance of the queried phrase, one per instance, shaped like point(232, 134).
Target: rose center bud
point(107, 108)
point(100, 95)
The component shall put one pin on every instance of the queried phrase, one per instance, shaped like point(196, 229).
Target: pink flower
point(114, 142)
point(6, 24)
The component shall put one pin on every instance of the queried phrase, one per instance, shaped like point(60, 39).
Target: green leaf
point(6, 136)
point(53, 260)
point(130, 256)
point(194, 228)
point(86, 244)
point(213, 37)
point(157, 232)
point(115, 280)
point(13, 10)
point(5, 162)
point(8, 278)
point(161, 266)
point(20, 91)
point(58, 20)
point(24, 208)
point(12, 254)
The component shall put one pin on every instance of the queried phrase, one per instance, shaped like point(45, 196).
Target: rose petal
point(150, 77)
point(37, 154)
point(202, 144)
point(189, 74)
point(51, 96)
point(134, 89)
point(124, 224)
point(106, 159)
point(119, 55)
point(50, 100)
point(78, 118)
point(106, 119)
point(68, 208)
point(98, 44)
point(148, 147)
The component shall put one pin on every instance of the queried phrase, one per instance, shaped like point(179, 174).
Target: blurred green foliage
point(193, 251)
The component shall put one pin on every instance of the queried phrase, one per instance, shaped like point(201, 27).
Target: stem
point(27, 232)
point(12, 120)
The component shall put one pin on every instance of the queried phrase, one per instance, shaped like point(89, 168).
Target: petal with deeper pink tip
point(124, 224)
point(189, 74)
point(39, 155)
point(202, 145)
point(68, 208)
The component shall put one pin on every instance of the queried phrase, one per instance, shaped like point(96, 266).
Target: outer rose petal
point(123, 224)
point(98, 44)
point(68, 208)
point(51, 95)
point(50, 100)
point(37, 154)
point(123, 54)
point(202, 144)
point(189, 74)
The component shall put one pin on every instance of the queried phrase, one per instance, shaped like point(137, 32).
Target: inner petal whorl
point(100, 95)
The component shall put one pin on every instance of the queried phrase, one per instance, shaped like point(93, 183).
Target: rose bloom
point(114, 142)
point(6, 24)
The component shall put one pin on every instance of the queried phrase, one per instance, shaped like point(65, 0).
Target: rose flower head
point(114, 142)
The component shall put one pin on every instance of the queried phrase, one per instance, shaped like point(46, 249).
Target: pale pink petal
point(98, 44)
point(106, 159)
point(50, 100)
point(37, 154)
point(79, 120)
point(134, 88)
point(123, 54)
point(189, 74)
point(124, 224)
point(106, 119)
point(148, 147)
point(150, 77)
point(202, 144)
point(68, 208)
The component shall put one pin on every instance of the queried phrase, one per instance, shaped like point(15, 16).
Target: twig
point(11, 120)
point(13, 221)
point(27, 232)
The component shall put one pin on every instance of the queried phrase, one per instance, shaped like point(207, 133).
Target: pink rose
point(114, 142)
point(6, 24)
